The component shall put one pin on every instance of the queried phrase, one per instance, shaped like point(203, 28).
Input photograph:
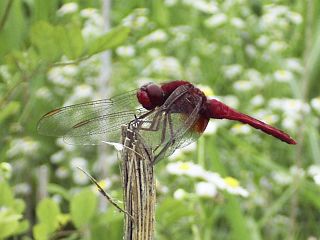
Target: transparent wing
point(91, 122)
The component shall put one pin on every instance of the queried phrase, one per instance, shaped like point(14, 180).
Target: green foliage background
point(262, 57)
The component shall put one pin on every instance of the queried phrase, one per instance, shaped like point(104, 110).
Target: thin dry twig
point(105, 194)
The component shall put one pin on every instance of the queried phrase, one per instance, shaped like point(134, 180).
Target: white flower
point(154, 52)
point(5, 170)
point(206, 189)
point(214, 178)
point(23, 146)
point(156, 36)
point(314, 170)
point(278, 46)
point(230, 100)
point(289, 123)
point(90, 31)
point(68, 8)
point(23, 188)
point(62, 172)
point(216, 20)
point(283, 76)
point(126, 51)
point(4, 72)
point(166, 66)
point(232, 71)
point(294, 64)
point(63, 75)
point(80, 178)
point(88, 12)
point(262, 41)
point(211, 128)
point(297, 172)
point(316, 179)
point(238, 23)
point(57, 157)
point(266, 116)
point(44, 93)
point(240, 129)
point(80, 93)
point(78, 162)
point(274, 16)
point(170, 3)
point(227, 50)
point(251, 50)
point(257, 100)
point(254, 76)
point(206, 7)
point(282, 178)
point(295, 18)
point(232, 186)
point(242, 85)
point(315, 103)
point(180, 36)
point(292, 108)
point(179, 194)
point(137, 19)
point(185, 168)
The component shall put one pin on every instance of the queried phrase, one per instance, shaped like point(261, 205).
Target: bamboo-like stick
point(139, 187)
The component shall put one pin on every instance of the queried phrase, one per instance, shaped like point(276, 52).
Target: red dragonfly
point(167, 116)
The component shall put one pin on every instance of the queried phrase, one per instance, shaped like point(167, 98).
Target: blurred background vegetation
point(261, 57)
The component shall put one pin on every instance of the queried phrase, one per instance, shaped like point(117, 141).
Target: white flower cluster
point(137, 19)
point(93, 25)
point(314, 172)
point(158, 35)
point(23, 147)
point(211, 182)
point(292, 109)
point(68, 8)
point(64, 75)
point(164, 66)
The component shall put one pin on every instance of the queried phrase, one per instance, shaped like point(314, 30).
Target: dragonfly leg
point(163, 132)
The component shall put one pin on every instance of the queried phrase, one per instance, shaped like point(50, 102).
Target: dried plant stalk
point(139, 187)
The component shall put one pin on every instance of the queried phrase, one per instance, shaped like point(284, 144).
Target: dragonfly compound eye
point(155, 94)
point(144, 99)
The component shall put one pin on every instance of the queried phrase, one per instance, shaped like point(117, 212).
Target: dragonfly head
point(150, 96)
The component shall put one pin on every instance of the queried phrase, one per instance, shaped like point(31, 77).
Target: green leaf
point(82, 208)
point(70, 40)
point(6, 196)
point(48, 214)
point(43, 37)
point(10, 109)
point(236, 219)
point(57, 189)
point(9, 222)
point(40, 232)
point(109, 40)
point(160, 12)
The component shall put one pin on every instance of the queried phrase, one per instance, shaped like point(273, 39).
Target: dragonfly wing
point(100, 129)
point(77, 121)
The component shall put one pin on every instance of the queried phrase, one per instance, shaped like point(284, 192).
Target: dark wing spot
point(53, 112)
point(81, 124)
